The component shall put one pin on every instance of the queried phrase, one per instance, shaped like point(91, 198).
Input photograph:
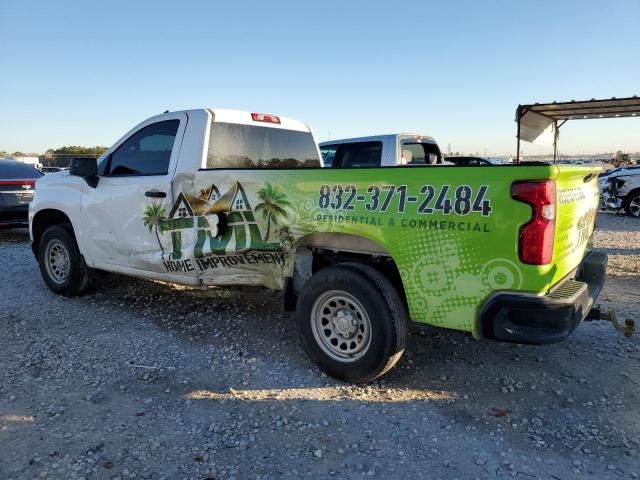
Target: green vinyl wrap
point(451, 231)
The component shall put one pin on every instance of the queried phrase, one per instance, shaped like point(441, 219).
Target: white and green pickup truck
point(219, 197)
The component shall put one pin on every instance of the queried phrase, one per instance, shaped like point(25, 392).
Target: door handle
point(155, 194)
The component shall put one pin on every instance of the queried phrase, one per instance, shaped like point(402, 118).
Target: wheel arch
point(317, 251)
point(628, 197)
point(44, 219)
point(634, 191)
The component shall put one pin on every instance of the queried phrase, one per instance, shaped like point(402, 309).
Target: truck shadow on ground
point(438, 365)
point(450, 365)
point(444, 367)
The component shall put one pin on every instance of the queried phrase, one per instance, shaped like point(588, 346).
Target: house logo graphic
point(212, 223)
point(187, 205)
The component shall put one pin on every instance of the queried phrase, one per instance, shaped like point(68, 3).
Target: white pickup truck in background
point(381, 151)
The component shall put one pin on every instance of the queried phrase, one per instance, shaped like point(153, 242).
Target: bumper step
point(528, 318)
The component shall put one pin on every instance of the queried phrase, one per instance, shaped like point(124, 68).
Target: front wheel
point(352, 322)
point(61, 265)
point(631, 204)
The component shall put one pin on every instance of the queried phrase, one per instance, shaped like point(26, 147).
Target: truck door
point(122, 218)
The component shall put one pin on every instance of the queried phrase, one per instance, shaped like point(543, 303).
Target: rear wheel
point(61, 265)
point(352, 322)
point(631, 203)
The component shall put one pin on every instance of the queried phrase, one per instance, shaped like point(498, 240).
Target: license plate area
point(24, 197)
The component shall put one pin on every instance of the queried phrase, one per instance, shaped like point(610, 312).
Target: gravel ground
point(148, 380)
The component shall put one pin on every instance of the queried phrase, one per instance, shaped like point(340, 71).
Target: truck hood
point(623, 173)
point(57, 178)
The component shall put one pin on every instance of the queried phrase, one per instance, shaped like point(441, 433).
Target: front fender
point(61, 192)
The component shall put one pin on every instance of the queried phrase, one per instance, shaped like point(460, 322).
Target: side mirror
point(86, 168)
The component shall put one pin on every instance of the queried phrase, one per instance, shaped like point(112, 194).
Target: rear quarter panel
point(449, 262)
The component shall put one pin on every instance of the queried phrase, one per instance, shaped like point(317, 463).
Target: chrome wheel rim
point(57, 261)
point(634, 206)
point(341, 326)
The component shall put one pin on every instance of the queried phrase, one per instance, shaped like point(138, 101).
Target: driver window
point(146, 152)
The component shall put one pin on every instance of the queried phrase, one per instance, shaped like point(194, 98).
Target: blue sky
point(78, 72)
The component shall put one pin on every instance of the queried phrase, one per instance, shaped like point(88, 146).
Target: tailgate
point(576, 210)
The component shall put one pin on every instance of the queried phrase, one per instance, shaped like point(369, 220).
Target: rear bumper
point(14, 217)
point(526, 318)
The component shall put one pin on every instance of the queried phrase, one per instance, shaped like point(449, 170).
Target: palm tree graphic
point(273, 205)
point(154, 215)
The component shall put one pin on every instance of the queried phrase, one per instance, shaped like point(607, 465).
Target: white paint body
point(632, 182)
point(107, 219)
point(627, 180)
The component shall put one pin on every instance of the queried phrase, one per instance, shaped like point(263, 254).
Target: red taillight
point(535, 243)
point(263, 117)
point(17, 182)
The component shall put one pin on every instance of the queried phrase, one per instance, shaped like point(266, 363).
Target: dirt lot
point(146, 380)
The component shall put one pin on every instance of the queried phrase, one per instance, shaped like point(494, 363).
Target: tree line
point(5, 154)
point(58, 157)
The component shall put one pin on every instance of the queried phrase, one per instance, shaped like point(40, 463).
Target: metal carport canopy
point(535, 119)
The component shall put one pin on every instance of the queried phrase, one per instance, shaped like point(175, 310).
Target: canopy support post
point(555, 141)
point(518, 148)
point(519, 113)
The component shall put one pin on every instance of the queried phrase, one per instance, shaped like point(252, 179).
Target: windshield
point(247, 146)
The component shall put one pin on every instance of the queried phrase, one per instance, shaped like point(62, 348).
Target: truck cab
point(381, 151)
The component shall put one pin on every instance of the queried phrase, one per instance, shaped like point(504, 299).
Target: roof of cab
point(244, 118)
point(372, 138)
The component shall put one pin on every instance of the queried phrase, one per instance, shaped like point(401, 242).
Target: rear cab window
point(240, 146)
point(357, 155)
point(419, 151)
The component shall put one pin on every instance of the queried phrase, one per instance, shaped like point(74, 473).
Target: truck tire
point(61, 265)
point(352, 322)
point(631, 203)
